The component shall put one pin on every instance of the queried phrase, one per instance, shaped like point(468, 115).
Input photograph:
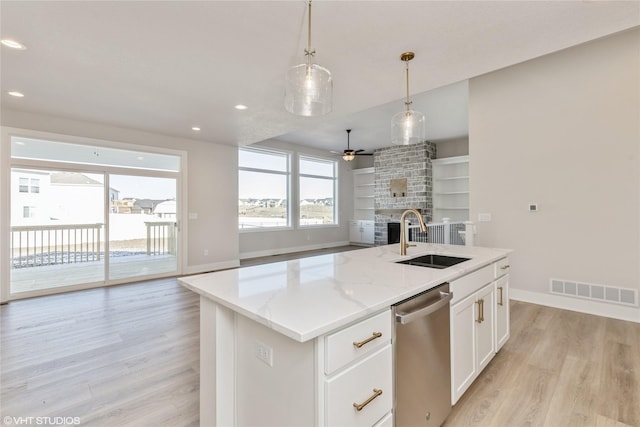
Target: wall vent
point(594, 292)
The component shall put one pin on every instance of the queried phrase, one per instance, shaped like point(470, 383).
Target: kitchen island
point(271, 334)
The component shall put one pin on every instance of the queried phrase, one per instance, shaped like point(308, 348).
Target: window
point(23, 185)
point(318, 180)
point(263, 189)
point(35, 185)
point(28, 211)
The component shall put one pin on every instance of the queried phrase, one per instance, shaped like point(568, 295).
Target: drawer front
point(371, 377)
point(502, 267)
point(370, 334)
point(470, 283)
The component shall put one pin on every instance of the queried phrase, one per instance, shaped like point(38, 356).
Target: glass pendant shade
point(408, 127)
point(309, 90)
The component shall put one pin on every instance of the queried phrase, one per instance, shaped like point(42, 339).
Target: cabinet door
point(368, 232)
point(485, 335)
point(502, 311)
point(463, 349)
point(355, 235)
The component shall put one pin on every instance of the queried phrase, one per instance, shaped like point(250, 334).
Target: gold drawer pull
point(376, 393)
point(500, 289)
point(504, 267)
point(479, 319)
point(371, 338)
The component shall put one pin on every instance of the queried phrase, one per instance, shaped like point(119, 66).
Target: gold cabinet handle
point(371, 338)
point(479, 319)
point(500, 301)
point(376, 393)
point(505, 267)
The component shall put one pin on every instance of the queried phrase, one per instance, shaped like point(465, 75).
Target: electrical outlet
point(264, 353)
point(206, 252)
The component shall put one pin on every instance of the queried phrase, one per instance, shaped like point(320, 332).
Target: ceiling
point(164, 67)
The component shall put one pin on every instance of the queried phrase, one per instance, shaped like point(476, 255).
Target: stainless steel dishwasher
point(422, 359)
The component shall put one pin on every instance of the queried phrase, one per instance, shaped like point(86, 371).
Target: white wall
point(562, 131)
point(452, 148)
point(264, 243)
point(211, 185)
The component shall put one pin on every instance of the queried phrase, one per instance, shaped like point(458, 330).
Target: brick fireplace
point(410, 162)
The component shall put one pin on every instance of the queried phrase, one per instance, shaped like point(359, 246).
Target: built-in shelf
point(363, 194)
point(362, 226)
point(451, 188)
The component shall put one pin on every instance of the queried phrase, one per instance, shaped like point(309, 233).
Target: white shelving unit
point(362, 223)
point(451, 188)
point(363, 194)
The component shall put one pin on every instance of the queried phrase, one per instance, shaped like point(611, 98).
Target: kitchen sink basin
point(434, 261)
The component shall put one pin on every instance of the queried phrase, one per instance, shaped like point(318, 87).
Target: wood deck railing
point(37, 245)
point(161, 237)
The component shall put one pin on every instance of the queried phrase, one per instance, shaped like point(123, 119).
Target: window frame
point(287, 174)
point(334, 178)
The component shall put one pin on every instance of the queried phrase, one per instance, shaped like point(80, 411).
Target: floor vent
point(590, 291)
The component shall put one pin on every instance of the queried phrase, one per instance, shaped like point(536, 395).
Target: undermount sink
point(434, 261)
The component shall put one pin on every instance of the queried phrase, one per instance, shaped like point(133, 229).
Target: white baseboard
point(205, 268)
point(280, 251)
point(614, 311)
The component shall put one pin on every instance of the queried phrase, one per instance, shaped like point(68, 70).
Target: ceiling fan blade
point(364, 154)
point(359, 151)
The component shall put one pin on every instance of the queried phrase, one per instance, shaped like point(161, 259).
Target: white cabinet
point(479, 322)
point(358, 379)
point(472, 338)
point(361, 232)
point(451, 188)
point(363, 194)
point(344, 378)
point(362, 394)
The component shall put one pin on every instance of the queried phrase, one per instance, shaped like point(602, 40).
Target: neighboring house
point(40, 197)
point(144, 206)
point(166, 209)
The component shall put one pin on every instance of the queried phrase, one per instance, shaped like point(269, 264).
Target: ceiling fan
point(349, 154)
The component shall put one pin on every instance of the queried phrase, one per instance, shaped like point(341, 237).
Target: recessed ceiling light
point(13, 44)
point(196, 128)
point(16, 94)
point(241, 107)
point(140, 158)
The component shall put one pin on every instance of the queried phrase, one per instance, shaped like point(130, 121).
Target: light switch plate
point(484, 217)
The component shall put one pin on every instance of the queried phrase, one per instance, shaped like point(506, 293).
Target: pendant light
point(407, 127)
point(309, 87)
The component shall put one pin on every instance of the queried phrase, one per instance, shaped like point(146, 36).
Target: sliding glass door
point(142, 226)
point(85, 216)
point(57, 229)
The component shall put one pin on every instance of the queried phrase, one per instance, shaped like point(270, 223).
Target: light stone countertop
point(308, 297)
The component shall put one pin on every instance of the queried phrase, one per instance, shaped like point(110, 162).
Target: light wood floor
point(129, 356)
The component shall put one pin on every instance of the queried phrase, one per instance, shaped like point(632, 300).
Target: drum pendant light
point(408, 126)
point(309, 87)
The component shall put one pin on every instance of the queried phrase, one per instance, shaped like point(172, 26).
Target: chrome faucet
point(403, 241)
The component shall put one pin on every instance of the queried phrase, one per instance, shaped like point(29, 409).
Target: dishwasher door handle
point(404, 318)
